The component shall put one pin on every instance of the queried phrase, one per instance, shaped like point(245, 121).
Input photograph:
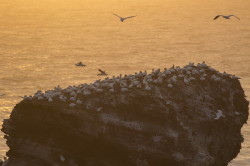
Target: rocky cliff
point(190, 116)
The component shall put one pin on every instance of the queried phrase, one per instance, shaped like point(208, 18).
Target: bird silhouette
point(123, 18)
point(80, 64)
point(226, 17)
point(102, 73)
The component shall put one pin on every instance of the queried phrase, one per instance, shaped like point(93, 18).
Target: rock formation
point(190, 116)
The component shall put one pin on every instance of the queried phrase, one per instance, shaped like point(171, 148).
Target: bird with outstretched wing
point(102, 72)
point(226, 17)
point(123, 18)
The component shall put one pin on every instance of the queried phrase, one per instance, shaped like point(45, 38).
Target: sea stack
point(181, 116)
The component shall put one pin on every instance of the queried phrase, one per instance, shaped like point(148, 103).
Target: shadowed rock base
point(177, 126)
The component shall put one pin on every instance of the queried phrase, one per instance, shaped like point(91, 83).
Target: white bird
point(5, 162)
point(170, 85)
point(50, 99)
point(40, 97)
point(62, 158)
point(219, 114)
point(112, 90)
point(72, 104)
point(147, 87)
point(78, 102)
point(86, 92)
point(124, 89)
point(123, 18)
point(226, 17)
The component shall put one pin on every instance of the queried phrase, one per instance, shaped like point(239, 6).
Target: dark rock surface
point(196, 124)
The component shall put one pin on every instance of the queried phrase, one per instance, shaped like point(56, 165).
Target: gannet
point(86, 93)
point(72, 98)
point(111, 90)
point(99, 90)
point(170, 85)
point(102, 73)
point(62, 158)
point(80, 64)
point(167, 72)
point(186, 80)
point(40, 97)
point(226, 17)
point(123, 18)
point(5, 162)
point(202, 78)
point(78, 102)
point(202, 70)
point(168, 102)
point(79, 91)
point(63, 98)
point(72, 104)
point(236, 113)
point(181, 75)
point(73, 93)
point(192, 78)
point(219, 114)
point(194, 71)
point(50, 99)
point(139, 86)
point(235, 77)
point(99, 109)
point(124, 89)
point(25, 97)
point(147, 87)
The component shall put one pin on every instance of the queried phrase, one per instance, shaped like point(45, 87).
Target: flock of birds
point(102, 72)
point(142, 80)
point(169, 78)
point(122, 19)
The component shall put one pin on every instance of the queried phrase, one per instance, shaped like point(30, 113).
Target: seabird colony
point(169, 78)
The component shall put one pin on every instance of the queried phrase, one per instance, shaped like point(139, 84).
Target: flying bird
point(226, 17)
point(123, 18)
point(102, 73)
point(80, 64)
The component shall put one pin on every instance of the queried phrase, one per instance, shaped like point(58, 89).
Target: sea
point(40, 42)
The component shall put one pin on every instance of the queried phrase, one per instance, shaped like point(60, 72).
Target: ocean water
point(41, 41)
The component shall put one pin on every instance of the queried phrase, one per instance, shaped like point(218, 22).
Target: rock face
point(189, 116)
